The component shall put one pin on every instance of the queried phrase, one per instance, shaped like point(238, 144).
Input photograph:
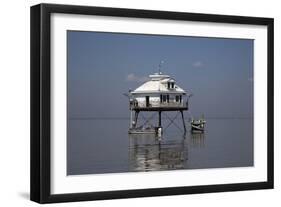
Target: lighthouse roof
point(158, 83)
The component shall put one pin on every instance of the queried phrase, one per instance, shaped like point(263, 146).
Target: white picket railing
point(158, 104)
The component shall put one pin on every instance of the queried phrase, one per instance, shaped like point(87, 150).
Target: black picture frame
point(40, 184)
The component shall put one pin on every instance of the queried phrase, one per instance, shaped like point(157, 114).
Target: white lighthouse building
point(160, 93)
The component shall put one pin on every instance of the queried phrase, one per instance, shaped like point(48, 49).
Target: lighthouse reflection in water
point(93, 148)
point(148, 152)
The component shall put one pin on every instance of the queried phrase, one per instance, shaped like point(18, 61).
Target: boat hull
point(142, 131)
point(197, 128)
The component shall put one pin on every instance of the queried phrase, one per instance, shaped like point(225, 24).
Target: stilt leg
point(159, 121)
point(183, 121)
point(136, 117)
point(131, 119)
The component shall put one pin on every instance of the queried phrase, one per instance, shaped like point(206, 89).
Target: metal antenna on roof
point(159, 67)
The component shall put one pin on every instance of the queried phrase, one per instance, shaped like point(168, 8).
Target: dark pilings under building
point(159, 122)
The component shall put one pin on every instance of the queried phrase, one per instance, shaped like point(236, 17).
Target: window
point(170, 85)
point(164, 98)
point(177, 98)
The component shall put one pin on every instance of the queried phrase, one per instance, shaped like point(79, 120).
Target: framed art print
point(132, 103)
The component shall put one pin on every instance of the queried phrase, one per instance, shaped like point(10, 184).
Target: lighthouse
point(160, 93)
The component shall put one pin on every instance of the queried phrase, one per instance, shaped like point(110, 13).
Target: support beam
point(183, 121)
point(136, 117)
point(159, 121)
point(131, 118)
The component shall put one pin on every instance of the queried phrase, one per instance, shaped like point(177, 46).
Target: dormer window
point(171, 85)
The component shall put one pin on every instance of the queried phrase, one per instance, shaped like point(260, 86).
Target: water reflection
point(148, 153)
point(93, 149)
point(197, 140)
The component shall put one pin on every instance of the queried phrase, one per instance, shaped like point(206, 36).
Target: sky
point(101, 67)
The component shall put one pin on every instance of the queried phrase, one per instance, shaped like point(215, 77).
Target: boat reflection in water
point(197, 140)
point(148, 153)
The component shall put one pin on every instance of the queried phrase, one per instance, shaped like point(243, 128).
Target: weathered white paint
point(154, 101)
point(158, 83)
point(154, 88)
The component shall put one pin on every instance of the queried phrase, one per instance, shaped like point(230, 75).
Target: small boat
point(142, 131)
point(146, 130)
point(198, 125)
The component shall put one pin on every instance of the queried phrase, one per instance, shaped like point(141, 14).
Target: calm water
point(104, 146)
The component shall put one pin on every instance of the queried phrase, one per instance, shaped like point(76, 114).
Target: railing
point(135, 105)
